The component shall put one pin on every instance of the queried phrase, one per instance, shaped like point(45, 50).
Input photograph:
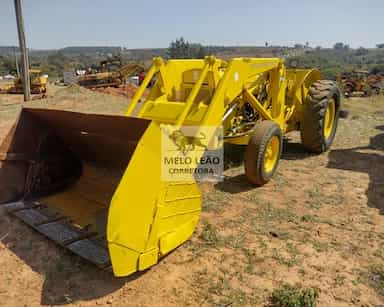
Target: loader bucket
point(92, 183)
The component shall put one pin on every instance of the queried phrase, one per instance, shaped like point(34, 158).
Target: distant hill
point(331, 61)
point(7, 50)
point(89, 50)
point(142, 54)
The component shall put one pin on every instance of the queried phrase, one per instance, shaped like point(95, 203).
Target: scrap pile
point(361, 83)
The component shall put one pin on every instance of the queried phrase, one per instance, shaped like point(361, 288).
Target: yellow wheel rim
point(329, 118)
point(271, 154)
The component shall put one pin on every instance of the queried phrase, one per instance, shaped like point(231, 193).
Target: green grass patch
point(294, 296)
point(213, 289)
point(209, 235)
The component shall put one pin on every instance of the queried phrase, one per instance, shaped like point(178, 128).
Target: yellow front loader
point(94, 184)
point(38, 84)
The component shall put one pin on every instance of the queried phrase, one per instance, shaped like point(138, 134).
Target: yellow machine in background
point(110, 78)
point(38, 83)
point(93, 183)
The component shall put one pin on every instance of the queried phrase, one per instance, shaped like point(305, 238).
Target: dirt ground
point(319, 223)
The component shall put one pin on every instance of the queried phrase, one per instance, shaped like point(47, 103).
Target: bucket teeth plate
point(60, 231)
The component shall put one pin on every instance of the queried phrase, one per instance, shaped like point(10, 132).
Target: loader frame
point(203, 93)
point(229, 86)
point(146, 216)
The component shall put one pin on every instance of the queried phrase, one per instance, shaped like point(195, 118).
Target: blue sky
point(146, 24)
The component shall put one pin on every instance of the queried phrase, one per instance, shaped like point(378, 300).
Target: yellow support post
point(157, 62)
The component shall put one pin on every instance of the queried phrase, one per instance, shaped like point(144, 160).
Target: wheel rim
point(271, 154)
point(329, 118)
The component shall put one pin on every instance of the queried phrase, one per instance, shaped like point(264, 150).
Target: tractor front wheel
point(320, 116)
point(263, 152)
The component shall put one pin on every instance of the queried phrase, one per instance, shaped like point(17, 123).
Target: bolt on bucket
point(92, 183)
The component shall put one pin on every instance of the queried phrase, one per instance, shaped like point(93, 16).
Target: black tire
point(256, 150)
point(314, 110)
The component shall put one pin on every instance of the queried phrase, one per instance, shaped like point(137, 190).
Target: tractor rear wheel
point(263, 152)
point(320, 116)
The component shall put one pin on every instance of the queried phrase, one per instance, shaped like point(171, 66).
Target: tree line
point(332, 61)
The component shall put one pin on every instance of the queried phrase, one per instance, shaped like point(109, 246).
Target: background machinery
point(38, 83)
point(110, 78)
point(361, 83)
point(93, 183)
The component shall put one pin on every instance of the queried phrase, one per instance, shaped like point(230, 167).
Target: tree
point(56, 64)
point(7, 64)
point(201, 52)
point(380, 46)
point(361, 51)
point(378, 69)
point(58, 60)
point(182, 49)
point(338, 46)
point(178, 49)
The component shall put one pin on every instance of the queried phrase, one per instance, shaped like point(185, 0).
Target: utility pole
point(23, 50)
point(17, 62)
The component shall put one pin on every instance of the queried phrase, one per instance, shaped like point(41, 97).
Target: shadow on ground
point(294, 151)
point(235, 184)
point(368, 160)
point(67, 278)
point(234, 158)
